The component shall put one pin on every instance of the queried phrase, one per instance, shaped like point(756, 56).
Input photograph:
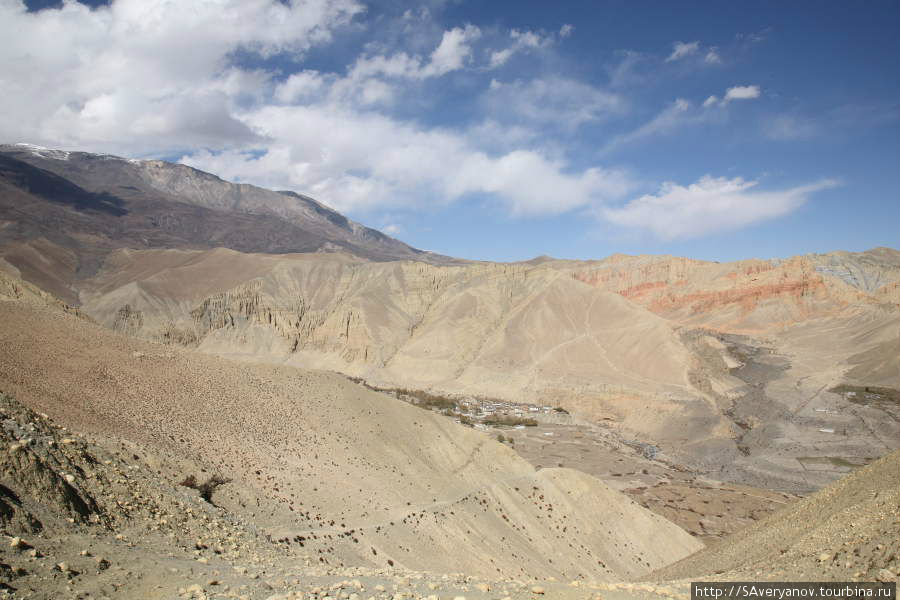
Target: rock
point(885, 575)
point(18, 543)
point(824, 557)
point(538, 590)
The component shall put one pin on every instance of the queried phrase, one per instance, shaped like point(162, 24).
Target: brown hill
point(540, 333)
point(347, 475)
point(88, 204)
point(847, 531)
point(645, 345)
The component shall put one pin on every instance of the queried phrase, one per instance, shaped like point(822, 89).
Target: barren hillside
point(345, 475)
point(846, 531)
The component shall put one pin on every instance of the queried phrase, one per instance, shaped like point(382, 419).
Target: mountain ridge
point(93, 203)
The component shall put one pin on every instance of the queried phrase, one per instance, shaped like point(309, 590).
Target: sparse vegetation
point(509, 421)
point(206, 488)
point(868, 394)
point(560, 409)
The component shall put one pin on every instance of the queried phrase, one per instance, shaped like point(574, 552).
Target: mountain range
point(224, 328)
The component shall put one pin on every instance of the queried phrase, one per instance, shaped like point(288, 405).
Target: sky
point(499, 130)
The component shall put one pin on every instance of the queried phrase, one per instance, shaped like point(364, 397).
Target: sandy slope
point(614, 340)
point(361, 478)
point(846, 531)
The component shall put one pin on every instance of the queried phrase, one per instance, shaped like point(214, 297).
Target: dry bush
point(206, 488)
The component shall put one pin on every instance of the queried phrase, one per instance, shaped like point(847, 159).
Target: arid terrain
point(215, 390)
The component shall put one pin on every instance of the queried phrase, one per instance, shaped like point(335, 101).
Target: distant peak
point(540, 259)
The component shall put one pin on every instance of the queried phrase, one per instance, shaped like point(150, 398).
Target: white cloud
point(683, 49)
point(151, 77)
point(712, 57)
point(523, 41)
point(742, 92)
point(566, 30)
point(739, 92)
point(374, 79)
point(454, 50)
point(146, 75)
point(302, 86)
point(709, 206)
point(361, 160)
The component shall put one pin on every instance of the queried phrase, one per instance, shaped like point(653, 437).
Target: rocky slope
point(75, 207)
point(750, 296)
point(335, 472)
point(555, 332)
point(641, 343)
point(845, 532)
point(335, 491)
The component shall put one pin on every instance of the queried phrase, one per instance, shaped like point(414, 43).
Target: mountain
point(845, 532)
point(206, 384)
point(711, 362)
point(321, 466)
point(75, 207)
point(742, 371)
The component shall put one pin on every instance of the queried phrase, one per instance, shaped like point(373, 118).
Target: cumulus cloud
point(683, 49)
point(451, 54)
point(455, 48)
point(738, 92)
point(709, 206)
point(742, 92)
point(146, 73)
point(358, 161)
point(155, 77)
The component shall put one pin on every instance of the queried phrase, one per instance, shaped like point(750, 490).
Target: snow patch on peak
point(45, 152)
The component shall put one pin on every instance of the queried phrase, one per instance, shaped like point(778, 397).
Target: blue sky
point(496, 130)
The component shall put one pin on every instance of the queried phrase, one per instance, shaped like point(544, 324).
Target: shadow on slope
point(53, 188)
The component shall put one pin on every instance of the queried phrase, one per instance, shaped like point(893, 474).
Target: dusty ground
point(339, 492)
point(95, 519)
point(333, 471)
point(706, 508)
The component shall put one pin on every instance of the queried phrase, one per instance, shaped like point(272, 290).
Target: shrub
point(189, 481)
point(510, 421)
point(207, 488)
